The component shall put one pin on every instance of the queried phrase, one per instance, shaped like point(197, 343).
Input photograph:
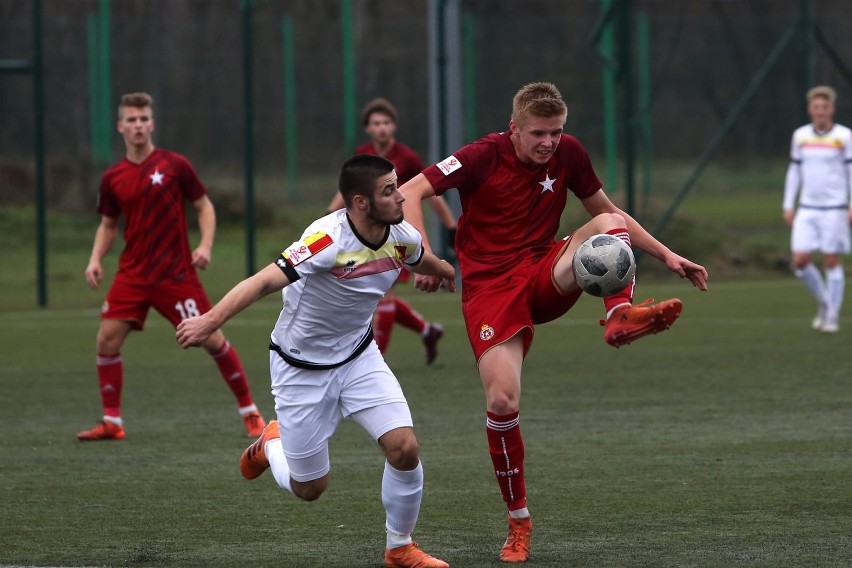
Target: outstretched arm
point(194, 331)
point(640, 238)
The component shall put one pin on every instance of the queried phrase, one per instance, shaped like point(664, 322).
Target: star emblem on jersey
point(156, 178)
point(547, 184)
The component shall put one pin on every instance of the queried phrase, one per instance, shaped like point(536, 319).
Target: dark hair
point(381, 105)
point(359, 174)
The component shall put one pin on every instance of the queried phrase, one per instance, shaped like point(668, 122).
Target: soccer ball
point(604, 265)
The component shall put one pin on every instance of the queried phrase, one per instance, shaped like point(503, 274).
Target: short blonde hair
point(135, 100)
point(822, 91)
point(538, 99)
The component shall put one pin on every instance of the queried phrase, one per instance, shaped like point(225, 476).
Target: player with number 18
point(157, 268)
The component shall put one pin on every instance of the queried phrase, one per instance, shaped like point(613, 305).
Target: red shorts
point(526, 297)
point(130, 300)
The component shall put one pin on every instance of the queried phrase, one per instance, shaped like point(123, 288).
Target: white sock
point(401, 495)
point(114, 420)
point(520, 513)
point(246, 409)
point(278, 463)
point(812, 278)
point(835, 282)
point(612, 311)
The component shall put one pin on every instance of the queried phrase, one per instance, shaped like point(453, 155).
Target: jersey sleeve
point(847, 164)
point(312, 254)
point(413, 247)
point(793, 179)
point(107, 203)
point(464, 169)
point(582, 180)
point(190, 186)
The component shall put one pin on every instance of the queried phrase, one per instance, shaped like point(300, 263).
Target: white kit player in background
point(323, 360)
point(820, 175)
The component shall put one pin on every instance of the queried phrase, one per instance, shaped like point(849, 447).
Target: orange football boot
point(517, 545)
point(629, 323)
point(103, 430)
point(410, 556)
point(253, 462)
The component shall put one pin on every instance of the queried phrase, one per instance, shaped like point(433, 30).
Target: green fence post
point(92, 42)
point(248, 130)
point(104, 153)
point(38, 95)
point(609, 122)
point(644, 78)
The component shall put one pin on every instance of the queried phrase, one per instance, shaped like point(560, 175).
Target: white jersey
point(337, 279)
point(820, 169)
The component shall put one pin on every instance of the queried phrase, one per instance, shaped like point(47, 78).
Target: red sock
point(507, 454)
point(626, 295)
point(408, 317)
point(231, 369)
point(111, 379)
point(383, 323)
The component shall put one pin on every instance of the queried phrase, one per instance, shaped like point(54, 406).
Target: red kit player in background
point(157, 268)
point(515, 274)
point(379, 120)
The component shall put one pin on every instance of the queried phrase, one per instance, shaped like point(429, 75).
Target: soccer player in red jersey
point(515, 274)
point(157, 267)
point(379, 120)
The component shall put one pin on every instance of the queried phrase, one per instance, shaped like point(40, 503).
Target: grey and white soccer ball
point(604, 265)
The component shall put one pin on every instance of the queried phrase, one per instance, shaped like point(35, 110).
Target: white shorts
point(821, 230)
point(310, 405)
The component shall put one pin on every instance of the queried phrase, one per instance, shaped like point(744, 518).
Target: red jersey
point(509, 208)
point(151, 196)
point(406, 162)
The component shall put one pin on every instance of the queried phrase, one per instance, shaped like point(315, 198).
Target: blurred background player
point(323, 361)
point(513, 188)
point(379, 120)
point(820, 175)
point(156, 268)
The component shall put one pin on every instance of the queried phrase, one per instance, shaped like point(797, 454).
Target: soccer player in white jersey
point(323, 360)
point(820, 175)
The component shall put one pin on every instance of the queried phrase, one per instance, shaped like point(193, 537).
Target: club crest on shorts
point(486, 332)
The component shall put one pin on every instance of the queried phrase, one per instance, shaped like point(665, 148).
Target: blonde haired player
point(323, 360)
point(150, 187)
point(820, 176)
point(513, 187)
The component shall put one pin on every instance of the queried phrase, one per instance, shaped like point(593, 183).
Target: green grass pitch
point(723, 442)
point(726, 441)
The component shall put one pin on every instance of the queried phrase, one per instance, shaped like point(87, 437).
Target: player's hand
point(429, 283)
point(194, 331)
point(789, 214)
point(94, 273)
point(685, 268)
point(201, 257)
